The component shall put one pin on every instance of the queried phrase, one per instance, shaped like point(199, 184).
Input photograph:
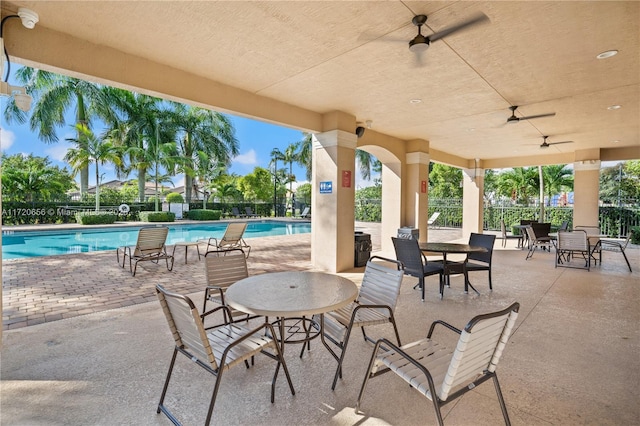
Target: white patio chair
point(150, 246)
point(221, 269)
point(570, 244)
point(217, 350)
point(232, 239)
point(616, 245)
point(375, 305)
point(442, 374)
point(431, 222)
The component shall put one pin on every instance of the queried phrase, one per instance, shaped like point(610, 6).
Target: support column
point(586, 193)
point(333, 185)
point(391, 206)
point(472, 200)
point(417, 192)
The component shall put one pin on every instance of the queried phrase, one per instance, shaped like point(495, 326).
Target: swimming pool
point(21, 244)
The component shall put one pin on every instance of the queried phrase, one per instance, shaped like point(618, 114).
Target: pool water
point(21, 244)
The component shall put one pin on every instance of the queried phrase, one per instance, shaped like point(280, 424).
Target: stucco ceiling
point(323, 56)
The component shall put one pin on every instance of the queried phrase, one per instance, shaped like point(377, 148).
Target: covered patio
point(571, 360)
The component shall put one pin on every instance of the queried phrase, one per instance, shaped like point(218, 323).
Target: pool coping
point(122, 224)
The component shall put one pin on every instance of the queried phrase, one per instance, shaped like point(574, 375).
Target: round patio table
point(292, 296)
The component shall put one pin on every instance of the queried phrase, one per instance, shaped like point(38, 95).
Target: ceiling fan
point(514, 119)
point(546, 144)
point(420, 43)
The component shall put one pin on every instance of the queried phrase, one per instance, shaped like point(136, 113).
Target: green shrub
point(95, 218)
point(174, 197)
point(201, 214)
point(157, 216)
point(635, 235)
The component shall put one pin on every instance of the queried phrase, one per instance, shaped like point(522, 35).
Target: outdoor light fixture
point(29, 19)
point(607, 54)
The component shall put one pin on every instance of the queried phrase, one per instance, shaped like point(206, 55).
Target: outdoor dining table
point(456, 248)
point(292, 298)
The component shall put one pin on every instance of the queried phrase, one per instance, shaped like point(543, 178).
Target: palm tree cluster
point(143, 135)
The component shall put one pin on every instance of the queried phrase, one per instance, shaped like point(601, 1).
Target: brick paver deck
point(42, 289)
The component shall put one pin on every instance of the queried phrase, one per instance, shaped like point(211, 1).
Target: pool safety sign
point(326, 187)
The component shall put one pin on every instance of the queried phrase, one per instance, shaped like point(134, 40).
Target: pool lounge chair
point(431, 222)
point(232, 239)
point(250, 212)
point(306, 213)
point(150, 246)
point(235, 212)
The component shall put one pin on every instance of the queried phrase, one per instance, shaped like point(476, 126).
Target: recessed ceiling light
point(614, 107)
point(471, 129)
point(415, 101)
point(607, 54)
point(616, 141)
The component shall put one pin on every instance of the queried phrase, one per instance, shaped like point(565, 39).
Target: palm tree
point(305, 152)
point(54, 95)
point(519, 183)
point(290, 156)
point(206, 141)
point(557, 178)
point(276, 155)
point(91, 149)
point(134, 129)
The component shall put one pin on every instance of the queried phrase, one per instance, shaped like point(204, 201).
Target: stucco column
point(417, 192)
point(391, 206)
point(332, 211)
point(586, 193)
point(472, 200)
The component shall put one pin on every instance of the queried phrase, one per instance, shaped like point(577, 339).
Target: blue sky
point(256, 141)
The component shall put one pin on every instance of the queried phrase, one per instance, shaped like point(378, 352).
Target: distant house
point(149, 188)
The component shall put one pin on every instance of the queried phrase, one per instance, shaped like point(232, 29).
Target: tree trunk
point(84, 180)
point(97, 189)
point(541, 218)
point(141, 184)
point(188, 184)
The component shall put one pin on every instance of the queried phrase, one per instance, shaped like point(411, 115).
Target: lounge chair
point(232, 239)
point(443, 374)
point(306, 213)
point(250, 212)
point(235, 212)
point(150, 246)
point(216, 350)
point(431, 223)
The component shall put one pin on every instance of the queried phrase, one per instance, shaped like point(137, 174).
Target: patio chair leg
point(503, 406)
point(166, 382)
point(625, 258)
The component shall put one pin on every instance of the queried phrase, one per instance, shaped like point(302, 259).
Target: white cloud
point(7, 137)
point(249, 158)
point(58, 151)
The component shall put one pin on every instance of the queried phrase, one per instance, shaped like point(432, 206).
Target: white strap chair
point(442, 374)
point(217, 350)
point(375, 305)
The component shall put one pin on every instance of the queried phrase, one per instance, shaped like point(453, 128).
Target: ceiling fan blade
point(475, 19)
point(530, 117)
point(558, 143)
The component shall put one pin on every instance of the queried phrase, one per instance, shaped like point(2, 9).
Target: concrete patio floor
point(572, 359)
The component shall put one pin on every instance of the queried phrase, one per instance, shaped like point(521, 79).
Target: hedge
point(202, 214)
point(95, 218)
point(157, 216)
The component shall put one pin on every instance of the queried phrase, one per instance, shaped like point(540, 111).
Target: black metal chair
point(415, 263)
point(535, 243)
point(376, 302)
point(475, 261)
point(442, 374)
point(217, 350)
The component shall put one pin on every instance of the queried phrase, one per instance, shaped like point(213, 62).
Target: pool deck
point(572, 358)
point(50, 288)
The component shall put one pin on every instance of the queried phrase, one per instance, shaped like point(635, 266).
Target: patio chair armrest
point(223, 307)
point(447, 325)
point(398, 264)
point(247, 335)
point(388, 344)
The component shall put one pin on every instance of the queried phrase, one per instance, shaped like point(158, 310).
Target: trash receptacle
point(409, 233)
point(362, 249)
